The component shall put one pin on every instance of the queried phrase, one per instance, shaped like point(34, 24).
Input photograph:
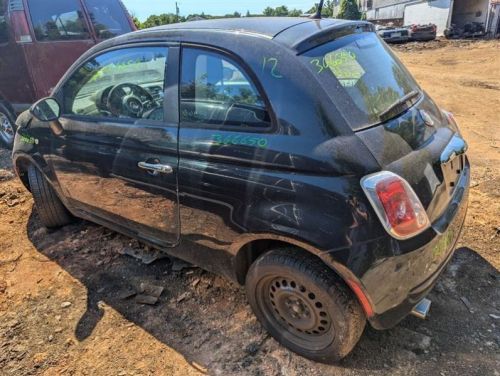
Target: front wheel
point(7, 126)
point(304, 305)
point(50, 209)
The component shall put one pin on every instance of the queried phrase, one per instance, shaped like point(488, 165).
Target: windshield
point(363, 78)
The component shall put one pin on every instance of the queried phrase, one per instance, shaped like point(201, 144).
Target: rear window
point(363, 78)
point(58, 20)
point(108, 17)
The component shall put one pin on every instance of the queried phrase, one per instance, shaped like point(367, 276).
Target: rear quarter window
point(363, 78)
point(217, 92)
point(108, 17)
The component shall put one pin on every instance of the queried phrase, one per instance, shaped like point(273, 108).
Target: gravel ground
point(68, 298)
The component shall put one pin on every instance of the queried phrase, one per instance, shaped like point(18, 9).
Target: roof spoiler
point(331, 33)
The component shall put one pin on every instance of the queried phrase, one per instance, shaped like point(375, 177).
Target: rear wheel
point(50, 209)
point(304, 305)
point(7, 126)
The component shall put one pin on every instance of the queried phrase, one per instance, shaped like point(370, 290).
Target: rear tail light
point(396, 204)
point(20, 27)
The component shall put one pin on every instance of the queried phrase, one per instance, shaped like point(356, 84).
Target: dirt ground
point(64, 295)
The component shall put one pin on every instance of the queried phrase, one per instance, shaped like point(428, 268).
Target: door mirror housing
point(47, 109)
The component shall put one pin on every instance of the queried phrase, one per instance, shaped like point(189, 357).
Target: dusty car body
point(261, 159)
point(39, 40)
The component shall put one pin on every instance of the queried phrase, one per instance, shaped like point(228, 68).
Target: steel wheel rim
point(298, 311)
point(6, 129)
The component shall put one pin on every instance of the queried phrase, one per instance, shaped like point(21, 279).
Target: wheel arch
point(21, 163)
point(247, 250)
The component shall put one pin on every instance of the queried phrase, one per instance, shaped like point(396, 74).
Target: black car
point(297, 157)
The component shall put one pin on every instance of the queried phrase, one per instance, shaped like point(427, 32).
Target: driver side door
point(114, 151)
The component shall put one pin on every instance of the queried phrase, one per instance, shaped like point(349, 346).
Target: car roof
point(296, 33)
point(290, 31)
point(265, 26)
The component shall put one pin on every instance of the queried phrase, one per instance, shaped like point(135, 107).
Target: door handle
point(156, 168)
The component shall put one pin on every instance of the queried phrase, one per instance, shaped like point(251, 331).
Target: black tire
point(304, 305)
point(50, 209)
point(7, 126)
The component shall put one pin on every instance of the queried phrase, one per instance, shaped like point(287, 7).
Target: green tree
point(328, 8)
point(349, 10)
point(137, 23)
point(295, 13)
point(162, 19)
point(268, 12)
point(281, 11)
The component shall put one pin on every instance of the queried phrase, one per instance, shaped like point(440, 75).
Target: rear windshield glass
point(58, 20)
point(108, 17)
point(363, 78)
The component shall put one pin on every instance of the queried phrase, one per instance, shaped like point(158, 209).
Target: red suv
point(40, 39)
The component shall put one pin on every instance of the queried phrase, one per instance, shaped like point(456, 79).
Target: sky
point(144, 8)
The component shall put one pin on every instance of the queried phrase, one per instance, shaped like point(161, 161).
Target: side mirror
point(47, 109)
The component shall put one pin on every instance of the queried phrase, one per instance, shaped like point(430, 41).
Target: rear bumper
point(409, 277)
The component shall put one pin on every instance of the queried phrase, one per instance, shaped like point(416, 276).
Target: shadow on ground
point(207, 320)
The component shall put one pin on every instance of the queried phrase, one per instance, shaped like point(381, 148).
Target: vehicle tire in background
point(50, 209)
point(304, 305)
point(7, 126)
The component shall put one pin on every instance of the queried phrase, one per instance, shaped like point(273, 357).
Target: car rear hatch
point(422, 147)
point(400, 125)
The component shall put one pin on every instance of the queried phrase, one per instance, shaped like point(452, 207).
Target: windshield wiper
point(400, 105)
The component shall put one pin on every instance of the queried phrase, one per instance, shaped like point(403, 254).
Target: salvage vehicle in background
point(393, 34)
point(422, 33)
point(297, 157)
point(469, 30)
point(40, 39)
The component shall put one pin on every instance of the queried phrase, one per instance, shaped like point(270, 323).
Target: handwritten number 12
point(273, 63)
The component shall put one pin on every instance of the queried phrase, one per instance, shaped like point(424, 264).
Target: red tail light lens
point(396, 204)
point(20, 27)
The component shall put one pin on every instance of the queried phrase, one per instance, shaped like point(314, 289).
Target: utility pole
point(176, 12)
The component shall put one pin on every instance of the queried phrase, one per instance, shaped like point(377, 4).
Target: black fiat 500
point(297, 157)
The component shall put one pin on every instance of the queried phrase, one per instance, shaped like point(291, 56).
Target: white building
point(440, 12)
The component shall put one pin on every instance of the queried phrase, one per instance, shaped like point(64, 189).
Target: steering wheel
point(129, 100)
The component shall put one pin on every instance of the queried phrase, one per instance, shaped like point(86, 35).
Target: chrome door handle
point(156, 168)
